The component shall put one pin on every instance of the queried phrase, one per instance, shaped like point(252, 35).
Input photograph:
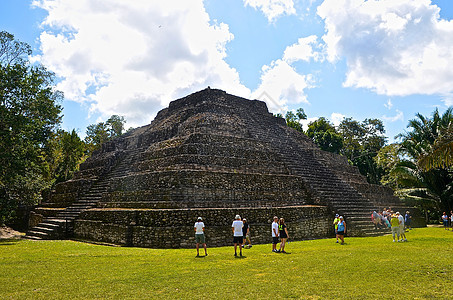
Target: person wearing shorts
point(341, 229)
point(445, 220)
point(199, 236)
point(238, 237)
point(275, 234)
point(246, 234)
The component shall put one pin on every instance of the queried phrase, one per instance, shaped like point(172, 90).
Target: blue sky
point(387, 59)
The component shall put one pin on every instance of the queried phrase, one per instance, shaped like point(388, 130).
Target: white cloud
point(132, 57)
point(302, 50)
point(389, 104)
point(393, 47)
point(273, 9)
point(398, 117)
point(336, 118)
point(282, 85)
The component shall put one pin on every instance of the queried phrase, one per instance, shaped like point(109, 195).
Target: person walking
point(283, 233)
point(275, 234)
point(402, 228)
point(341, 230)
point(237, 234)
point(395, 227)
point(445, 220)
point(199, 236)
point(335, 223)
point(246, 234)
point(408, 220)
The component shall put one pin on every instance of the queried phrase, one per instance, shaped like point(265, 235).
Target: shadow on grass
point(6, 242)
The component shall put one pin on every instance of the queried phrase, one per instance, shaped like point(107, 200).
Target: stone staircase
point(325, 186)
point(62, 225)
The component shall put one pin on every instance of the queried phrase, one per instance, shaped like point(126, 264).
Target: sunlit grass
point(368, 268)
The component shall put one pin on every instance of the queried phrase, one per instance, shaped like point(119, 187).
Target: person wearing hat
point(341, 229)
point(199, 235)
point(237, 234)
point(335, 223)
point(402, 229)
point(408, 220)
point(246, 234)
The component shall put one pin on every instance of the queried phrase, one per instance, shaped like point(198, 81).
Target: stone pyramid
point(213, 155)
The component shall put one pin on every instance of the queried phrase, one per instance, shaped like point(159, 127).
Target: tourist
point(283, 233)
point(341, 230)
point(376, 219)
point(408, 220)
point(402, 229)
point(451, 220)
point(246, 234)
point(275, 234)
point(395, 227)
point(335, 223)
point(237, 234)
point(445, 220)
point(199, 235)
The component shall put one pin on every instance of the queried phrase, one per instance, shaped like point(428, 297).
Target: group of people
point(383, 219)
point(445, 220)
point(241, 235)
point(340, 228)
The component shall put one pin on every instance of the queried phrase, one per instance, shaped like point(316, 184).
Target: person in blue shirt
point(341, 230)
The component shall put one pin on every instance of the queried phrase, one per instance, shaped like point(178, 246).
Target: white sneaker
point(393, 240)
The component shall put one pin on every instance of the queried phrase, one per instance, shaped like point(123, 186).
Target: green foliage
point(432, 187)
point(315, 269)
point(29, 115)
point(99, 133)
point(69, 153)
point(293, 119)
point(324, 134)
point(361, 143)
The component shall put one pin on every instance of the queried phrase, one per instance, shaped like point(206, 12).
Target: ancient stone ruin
point(213, 155)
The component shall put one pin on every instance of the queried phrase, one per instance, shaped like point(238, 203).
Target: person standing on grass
point(199, 235)
point(402, 229)
point(341, 230)
point(445, 220)
point(237, 234)
point(275, 234)
point(407, 220)
point(335, 223)
point(451, 220)
point(283, 233)
point(246, 233)
point(395, 227)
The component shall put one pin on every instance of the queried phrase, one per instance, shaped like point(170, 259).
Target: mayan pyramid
point(214, 155)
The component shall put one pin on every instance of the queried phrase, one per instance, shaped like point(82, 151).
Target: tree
point(69, 153)
point(425, 138)
point(324, 134)
point(99, 133)
point(30, 113)
point(293, 119)
point(361, 143)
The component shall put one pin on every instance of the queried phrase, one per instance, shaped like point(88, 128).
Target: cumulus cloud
point(336, 118)
point(272, 9)
point(398, 117)
point(281, 84)
point(132, 57)
point(393, 47)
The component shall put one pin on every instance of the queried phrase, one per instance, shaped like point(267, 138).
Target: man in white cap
point(238, 237)
point(199, 235)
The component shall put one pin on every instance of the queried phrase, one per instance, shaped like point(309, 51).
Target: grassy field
point(363, 268)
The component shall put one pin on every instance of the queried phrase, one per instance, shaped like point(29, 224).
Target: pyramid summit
point(214, 155)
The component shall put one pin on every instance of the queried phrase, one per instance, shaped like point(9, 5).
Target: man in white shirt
point(275, 234)
point(402, 229)
point(199, 235)
point(237, 234)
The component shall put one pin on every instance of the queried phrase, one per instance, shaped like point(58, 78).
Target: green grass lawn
point(363, 268)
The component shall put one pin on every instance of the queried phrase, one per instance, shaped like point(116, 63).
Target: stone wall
point(174, 228)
